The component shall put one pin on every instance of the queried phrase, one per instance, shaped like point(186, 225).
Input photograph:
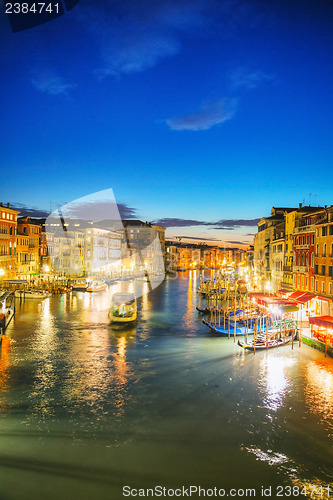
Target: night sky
point(200, 114)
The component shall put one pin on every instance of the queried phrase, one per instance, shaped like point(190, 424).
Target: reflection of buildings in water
point(191, 297)
point(319, 388)
point(121, 372)
point(146, 305)
point(97, 375)
point(277, 383)
point(45, 352)
point(4, 366)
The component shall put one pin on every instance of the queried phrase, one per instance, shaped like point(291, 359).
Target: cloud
point(31, 212)
point(225, 224)
point(134, 36)
point(194, 238)
point(233, 223)
point(245, 78)
point(51, 84)
point(174, 222)
point(222, 228)
point(237, 242)
point(127, 212)
point(98, 211)
point(210, 114)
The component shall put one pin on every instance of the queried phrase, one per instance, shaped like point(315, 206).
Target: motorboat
point(79, 285)
point(123, 308)
point(31, 294)
point(96, 286)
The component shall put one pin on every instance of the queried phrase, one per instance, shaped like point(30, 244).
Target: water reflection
point(4, 366)
point(175, 398)
point(274, 376)
point(45, 349)
point(319, 389)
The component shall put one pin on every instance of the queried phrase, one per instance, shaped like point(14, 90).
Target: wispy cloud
point(237, 242)
point(225, 224)
point(51, 84)
point(126, 211)
point(194, 238)
point(174, 222)
point(235, 223)
point(248, 79)
point(30, 211)
point(136, 35)
point(210, 114)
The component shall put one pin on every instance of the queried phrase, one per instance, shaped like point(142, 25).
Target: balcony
point(6, 257)
point(306, 246)
point(288, 269)
point(304, 229)
point(301, 269)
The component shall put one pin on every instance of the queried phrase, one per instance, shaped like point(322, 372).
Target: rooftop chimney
point(299, 206)
point(8, 205)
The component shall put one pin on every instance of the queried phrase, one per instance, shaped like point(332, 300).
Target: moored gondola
point(261, 343)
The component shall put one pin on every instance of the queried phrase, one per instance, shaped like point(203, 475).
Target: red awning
point(261, 298)
point(302, 299)
point(295, 295)
point(320, 297)
point(273, 300)
point(323, 321)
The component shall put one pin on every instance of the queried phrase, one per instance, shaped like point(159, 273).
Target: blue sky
point(193, 112)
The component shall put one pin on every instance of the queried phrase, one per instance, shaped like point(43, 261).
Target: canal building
point(28, 241)
point(323, 261)
point(8, 243)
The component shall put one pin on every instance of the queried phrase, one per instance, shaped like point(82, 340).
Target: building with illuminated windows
point(28, 241)
point(8, 230)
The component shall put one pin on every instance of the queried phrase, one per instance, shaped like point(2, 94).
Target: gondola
point(243, 327)
point(225, 331)
point(204, 310)
point(261, 344)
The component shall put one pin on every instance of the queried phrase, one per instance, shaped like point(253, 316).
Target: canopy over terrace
point(322, 321)
point(301, 297)
point(323, 330)
point(273, 303)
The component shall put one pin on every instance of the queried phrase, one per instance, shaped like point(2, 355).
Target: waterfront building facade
point(278, 245)
point(8, 243)
point(262, 259)
point(323, 261)
point(102, 252)
point(28, 240)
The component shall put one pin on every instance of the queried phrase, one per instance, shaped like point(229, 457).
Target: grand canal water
point(87, 409)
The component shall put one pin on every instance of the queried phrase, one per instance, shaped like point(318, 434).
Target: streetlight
point(268, 287)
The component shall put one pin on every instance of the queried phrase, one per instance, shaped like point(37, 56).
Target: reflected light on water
point(191, 299)
point(4, 365)
point(45, 375)
point(277, 383)
point(319, 388)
